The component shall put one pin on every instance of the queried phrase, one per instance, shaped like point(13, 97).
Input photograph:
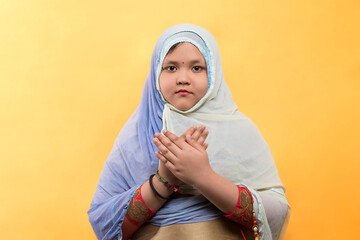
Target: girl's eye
point(197, 68)
point(171, 68)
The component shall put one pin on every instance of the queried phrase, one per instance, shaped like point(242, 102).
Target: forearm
point(218, 190)
point(151, 199)
point(137, 213)
point(236, 202)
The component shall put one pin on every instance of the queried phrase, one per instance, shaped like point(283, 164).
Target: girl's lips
point(182, 92)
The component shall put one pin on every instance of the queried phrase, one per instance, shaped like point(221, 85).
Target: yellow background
point(72, 72)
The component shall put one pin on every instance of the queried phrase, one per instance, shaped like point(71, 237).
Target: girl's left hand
point(187, 160)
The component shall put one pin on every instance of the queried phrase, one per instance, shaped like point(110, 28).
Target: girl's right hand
point(199, 134)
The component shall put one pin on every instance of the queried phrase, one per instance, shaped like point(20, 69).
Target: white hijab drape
point(237, 151)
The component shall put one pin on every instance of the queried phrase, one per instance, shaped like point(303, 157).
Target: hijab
point(236, 151)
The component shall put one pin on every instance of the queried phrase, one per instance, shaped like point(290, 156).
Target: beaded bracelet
point(153, 188)
point(172, 187)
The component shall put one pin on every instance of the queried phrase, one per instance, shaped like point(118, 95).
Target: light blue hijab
point(132, 159)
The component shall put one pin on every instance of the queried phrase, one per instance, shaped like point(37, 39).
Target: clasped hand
point(185, 156)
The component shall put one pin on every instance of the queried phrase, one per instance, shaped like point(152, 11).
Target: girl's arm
point(149, 202)
point(189, 162)
point(141, 209)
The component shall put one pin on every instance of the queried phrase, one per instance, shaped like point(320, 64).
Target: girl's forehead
point(179, 38)
point(184, 50)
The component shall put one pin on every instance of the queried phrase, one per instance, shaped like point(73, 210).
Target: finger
point(190, 131)
point(203, 136)
point(168, 143)
point(164, 161)
point(161, 157)
point(164, 150)
point(198, 132)
point(193, 143)
point(205, 145)
point(175, 139)
point(169, 165)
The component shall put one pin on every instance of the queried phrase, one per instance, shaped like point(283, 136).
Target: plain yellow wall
point(72, 72)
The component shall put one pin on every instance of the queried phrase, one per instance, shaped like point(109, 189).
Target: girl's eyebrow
point(173, 62)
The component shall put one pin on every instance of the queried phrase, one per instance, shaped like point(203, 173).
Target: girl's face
point(183, 78)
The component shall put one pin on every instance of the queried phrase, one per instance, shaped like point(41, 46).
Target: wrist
point(169, 177)
point(174, 188)
point(161, 187)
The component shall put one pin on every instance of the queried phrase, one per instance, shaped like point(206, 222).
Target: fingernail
point(164, 131)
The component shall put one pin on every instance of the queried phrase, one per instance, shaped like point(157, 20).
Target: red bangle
point(244, 211)
point(138, 211)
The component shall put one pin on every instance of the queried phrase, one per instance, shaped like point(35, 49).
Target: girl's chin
point(183, 104)
point(183, 107)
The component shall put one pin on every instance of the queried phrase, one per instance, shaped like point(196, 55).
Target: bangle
point(138, 211)
point(244, 211)
point(172, 187)
point(153, 188)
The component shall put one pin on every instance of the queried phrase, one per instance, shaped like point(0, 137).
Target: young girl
point(216, 178)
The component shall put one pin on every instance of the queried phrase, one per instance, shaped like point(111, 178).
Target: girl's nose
point(183, 78)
